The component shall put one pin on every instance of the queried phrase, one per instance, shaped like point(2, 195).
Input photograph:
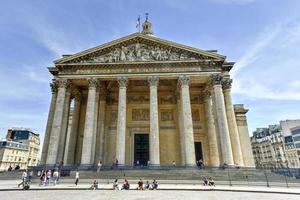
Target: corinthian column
point(89, 133)
point(221, 119)
point(187, 121)
point(154, 127)
point(57, 125)
point(71, 140)
point(54, 87)
point(211, 131)
point(121, 126)
point(64, 127)
point(233, 129)
point(181, 129)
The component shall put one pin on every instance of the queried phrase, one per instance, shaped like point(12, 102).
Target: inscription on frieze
point(140, 114)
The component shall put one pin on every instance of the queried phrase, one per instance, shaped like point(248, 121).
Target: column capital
point(226, 83)
point(63, 83)
point(122, 81)
point(54, 86)
point(77, 94)
point(216, 79)
point(93, 83)
point(206, 94)
point(184, 80)
point(153, 80)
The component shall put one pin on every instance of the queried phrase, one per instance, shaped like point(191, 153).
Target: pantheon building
point(143, 98)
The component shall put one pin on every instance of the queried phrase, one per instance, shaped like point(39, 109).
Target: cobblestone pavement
point(139, 195)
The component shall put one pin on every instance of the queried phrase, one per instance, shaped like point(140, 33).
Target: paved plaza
point(109, 194)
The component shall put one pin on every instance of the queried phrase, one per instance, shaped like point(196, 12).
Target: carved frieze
point(166, 115)
point(195, 115)
point(142, 52)
point(138, 99)
point(168, 99)
point(140, 114)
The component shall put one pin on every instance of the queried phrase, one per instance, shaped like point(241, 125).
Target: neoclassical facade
point(142, 98)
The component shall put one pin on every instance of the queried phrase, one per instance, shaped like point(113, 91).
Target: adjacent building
point(13, 154)
point(274, 148)
point(295, 131)
point(21, 147)
point(143, 98)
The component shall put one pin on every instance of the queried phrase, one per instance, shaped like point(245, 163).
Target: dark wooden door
point(141, 148)
point(198, 151)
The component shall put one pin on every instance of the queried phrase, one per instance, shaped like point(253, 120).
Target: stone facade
point(142, 97)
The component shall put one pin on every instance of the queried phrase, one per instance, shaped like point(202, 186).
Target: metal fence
point(232, 176)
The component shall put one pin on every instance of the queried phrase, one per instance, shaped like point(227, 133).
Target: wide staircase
point(228, 176)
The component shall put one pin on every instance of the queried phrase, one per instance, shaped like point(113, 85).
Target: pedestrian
point(174, 163)
point(24, 177)
point(154, 185)
point(76, 177)
point(30, 176)
point(126, 185)
point(48, 177)
point(116, 185)
point(95, 185)
point(147, 185)
point(55, 177)
point(140, 185)
point(99, 165)
point(42, 178)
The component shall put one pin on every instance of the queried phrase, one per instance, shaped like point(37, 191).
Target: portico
point(142, 94)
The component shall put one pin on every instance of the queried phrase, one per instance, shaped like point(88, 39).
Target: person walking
point(24, 177)
point(55, 177)
point(99, 165)
point(48, 177)
point(76, 177)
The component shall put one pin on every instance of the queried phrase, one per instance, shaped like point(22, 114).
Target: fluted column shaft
point(53, 86)
point(221, 118)
point(64, 127)
point(154, 126)
point(90, 123)
point(57, 127)
point(69, 156)
point(233, 129)
point(181, 129)
point(187, 121)
point(121, 126)
point(211, 131)
point(100, 132)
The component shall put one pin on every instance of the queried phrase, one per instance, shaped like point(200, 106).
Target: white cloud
point(254, 52)
point(268, 70)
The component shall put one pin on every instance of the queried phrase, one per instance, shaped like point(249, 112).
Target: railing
point(231, 176)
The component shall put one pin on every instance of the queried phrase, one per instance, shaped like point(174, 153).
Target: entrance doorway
point(141, 148)
point(198, 151)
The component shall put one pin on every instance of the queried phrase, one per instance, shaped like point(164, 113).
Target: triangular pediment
point(140, 48)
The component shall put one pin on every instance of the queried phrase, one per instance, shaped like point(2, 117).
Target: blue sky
point(261, 36)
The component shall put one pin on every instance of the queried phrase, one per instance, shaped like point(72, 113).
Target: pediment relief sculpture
point(142, 52)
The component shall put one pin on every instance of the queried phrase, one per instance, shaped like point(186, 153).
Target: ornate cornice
point(226, 83)
point(184, 80)
point(153, 80)
point(216, 79)
point(122, 81)
point(93, 83)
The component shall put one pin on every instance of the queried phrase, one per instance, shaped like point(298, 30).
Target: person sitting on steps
point(140, 185)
